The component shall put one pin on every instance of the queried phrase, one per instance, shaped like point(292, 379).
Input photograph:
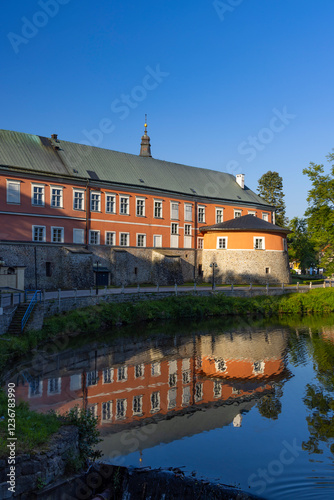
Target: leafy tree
point(301, 247)
point(270, 188)
point(320, 213)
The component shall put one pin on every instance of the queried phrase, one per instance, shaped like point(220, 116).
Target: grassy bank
point(107, 316)
point(31, 428)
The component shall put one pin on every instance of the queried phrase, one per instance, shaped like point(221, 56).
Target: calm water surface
point(248, 404)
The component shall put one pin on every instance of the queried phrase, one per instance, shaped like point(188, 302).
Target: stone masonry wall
point(72, 266)
point(41, 468)
point(246, 266)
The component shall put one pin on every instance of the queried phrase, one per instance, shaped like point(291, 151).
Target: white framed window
point(106, 411)
point(38, 195)
point(174, 239)
point(54, 385)
point(39, 233)
point(171, 397)
point(124, 205)
point(172, 381)
point(186, 396)
point(92, 410)
point(78, 199)
point(158, 209)
point(222, 242)
point(79, 236)
point(121, 405)
point(124, 239)
point(219, 215)
point(174, 210)
point(258, 367)
point(265, 216)
point(57, 234)
point(108, 375)
point(267, 270)
point(94, 237)
point(110, 238)
point(200, 243)
point(141, 240)
point(95, 201)
point(137, 405)
point(187, 236)
point(217, 389)
point(198, 392)
point(155, 401)
point(186, 377)
point(187, 229)
point(237, 213)
point(56, 197)
point(122, 373)
point(188, 212)
point(13, 192)
point(140, 207)
point(155, 369)
point(157, 240)
point(35, 387)
point(220, 365)
point(259, 243)
point(110, 203)
point(201, 214)
point(91, 378)
point(252, 212)
point(174, 228)
point(139, 370)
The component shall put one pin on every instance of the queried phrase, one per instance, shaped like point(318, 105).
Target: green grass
point(33, 430)
point(108, 316)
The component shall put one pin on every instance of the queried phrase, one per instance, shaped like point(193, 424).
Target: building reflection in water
point(141, 385)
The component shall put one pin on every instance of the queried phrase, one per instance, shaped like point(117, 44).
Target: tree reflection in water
point(318, 398)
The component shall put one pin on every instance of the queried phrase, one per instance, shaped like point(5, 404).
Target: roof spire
point(145, 146)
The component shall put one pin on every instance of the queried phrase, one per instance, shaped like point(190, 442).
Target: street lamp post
point(96, 276)
point(214, 265)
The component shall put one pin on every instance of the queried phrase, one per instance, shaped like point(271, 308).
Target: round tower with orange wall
point(245, 250)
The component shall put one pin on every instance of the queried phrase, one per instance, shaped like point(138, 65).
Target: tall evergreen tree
point(270, 188)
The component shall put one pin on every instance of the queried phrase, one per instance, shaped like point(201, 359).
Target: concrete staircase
point(15, 326)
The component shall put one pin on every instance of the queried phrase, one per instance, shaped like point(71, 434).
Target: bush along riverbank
point(108, 316)
point(48, 446)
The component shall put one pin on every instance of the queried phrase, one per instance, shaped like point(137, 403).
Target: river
point(244, 403)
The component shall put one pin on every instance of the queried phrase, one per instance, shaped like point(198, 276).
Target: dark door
point(102, 279)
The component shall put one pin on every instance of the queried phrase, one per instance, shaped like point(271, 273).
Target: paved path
point(7, 299)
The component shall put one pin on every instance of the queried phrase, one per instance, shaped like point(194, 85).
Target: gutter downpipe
point(195, 243)
point(87, 189)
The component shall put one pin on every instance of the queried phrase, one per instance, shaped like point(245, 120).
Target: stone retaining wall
point(36, 470)
point(6, 318)
point(52, 307)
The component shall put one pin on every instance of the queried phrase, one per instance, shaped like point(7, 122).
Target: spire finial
point(145, 123)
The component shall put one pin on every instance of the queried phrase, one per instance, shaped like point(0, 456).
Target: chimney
point(54, 137)
point(240, 179)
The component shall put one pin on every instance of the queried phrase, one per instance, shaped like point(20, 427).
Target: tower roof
point(245, 223)
point(145, 146)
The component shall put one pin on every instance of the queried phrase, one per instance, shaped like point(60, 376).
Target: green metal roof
point(38, 154)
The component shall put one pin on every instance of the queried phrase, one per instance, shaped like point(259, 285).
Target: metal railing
point(37, 294)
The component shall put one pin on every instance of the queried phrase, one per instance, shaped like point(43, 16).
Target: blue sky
point(242, 86)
